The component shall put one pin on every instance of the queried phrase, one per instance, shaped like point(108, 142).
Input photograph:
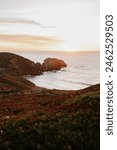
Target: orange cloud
point(26, 42)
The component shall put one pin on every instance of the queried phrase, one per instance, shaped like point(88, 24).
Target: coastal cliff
point(13, 67)
point(36, 118)
point(16, 65)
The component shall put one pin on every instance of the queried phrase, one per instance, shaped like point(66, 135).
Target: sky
point(58, 25)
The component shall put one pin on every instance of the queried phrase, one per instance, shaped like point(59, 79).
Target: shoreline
point(32, 117)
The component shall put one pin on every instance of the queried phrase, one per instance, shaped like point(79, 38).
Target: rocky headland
point(41, 119)
point(14, 67)
point(17, 65)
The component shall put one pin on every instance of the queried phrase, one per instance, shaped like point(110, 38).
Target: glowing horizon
point(56, 26)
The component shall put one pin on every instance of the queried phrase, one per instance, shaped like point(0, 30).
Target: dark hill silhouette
point(17, 65)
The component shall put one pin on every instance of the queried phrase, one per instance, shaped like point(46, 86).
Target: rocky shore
point(14, 67)
point(41, 119)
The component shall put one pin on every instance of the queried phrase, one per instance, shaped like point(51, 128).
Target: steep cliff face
point(16, 65)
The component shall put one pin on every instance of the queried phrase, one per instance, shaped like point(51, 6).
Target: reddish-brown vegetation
point(43, 119)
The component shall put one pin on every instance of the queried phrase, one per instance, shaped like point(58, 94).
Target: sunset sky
point(65, 25)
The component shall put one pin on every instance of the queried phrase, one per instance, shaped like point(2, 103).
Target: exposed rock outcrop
point(50, 64)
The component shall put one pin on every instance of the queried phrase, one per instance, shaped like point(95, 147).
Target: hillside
point(34, 118)
point(16, 65)
point(14, 84)
point(50, 119)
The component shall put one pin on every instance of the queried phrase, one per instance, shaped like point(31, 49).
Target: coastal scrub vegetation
point(62, 122)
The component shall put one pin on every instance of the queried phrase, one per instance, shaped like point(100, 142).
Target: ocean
point(83, 70)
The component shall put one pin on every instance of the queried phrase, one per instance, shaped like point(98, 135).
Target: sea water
point(83, 70)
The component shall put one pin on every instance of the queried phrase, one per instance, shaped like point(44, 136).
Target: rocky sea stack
point(50, 64)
